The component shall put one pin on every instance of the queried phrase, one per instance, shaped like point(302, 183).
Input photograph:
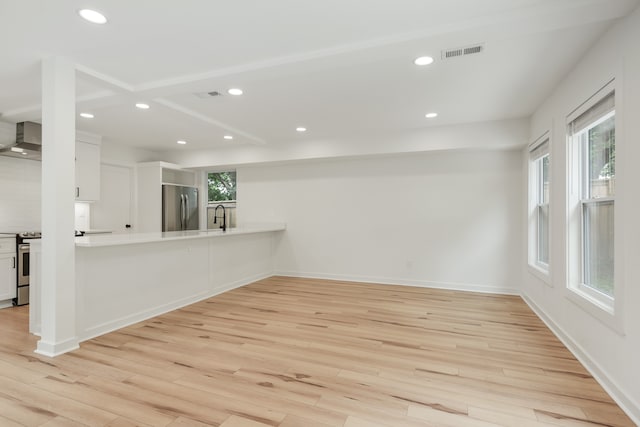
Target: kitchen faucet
point(224, 217)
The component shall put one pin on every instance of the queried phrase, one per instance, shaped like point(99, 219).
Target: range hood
point(26, 142)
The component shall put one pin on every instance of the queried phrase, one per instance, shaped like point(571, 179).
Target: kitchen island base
point(119, 284)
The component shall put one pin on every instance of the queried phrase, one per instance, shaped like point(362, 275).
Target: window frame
point(609, 310)
point(206, 181)
point(209, 206)
point(538, 150)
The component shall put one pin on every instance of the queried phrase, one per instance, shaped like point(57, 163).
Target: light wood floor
point(297, 352)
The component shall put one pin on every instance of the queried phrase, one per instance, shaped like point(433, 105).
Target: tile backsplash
point(20, 191)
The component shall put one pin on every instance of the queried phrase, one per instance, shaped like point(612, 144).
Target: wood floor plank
point(62, 422)
point(187, 422)
point(295, 421)
point(446, 418)
point(235, 421)
point(56, 403)
point(124, 422)
point(289, 352)
point(122, 405)
point(8, 422)
point(22, 413)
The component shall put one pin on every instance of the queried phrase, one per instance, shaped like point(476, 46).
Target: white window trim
point(534, 267)
point(610, 311)
point(206, 186)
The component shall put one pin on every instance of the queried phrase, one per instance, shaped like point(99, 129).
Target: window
point(592, 139)
point(221, 191)
point(222, 186)
point(539, 227)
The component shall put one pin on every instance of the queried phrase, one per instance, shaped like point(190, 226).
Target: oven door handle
point(23, 248)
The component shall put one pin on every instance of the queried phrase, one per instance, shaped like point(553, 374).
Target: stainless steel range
point(22, 241)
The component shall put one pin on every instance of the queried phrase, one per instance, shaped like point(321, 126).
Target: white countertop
point(99, 240)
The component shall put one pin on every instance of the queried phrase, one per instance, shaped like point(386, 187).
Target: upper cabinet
point(87, 169)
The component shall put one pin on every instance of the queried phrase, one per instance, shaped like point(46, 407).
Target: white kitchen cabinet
point(113, 210)
point(8, 265)
point(87, 171)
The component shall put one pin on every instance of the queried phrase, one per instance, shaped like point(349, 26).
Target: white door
point(113, 211)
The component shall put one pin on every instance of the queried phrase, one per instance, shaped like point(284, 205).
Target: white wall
point(19, 194)
point(449, 218)
point(611, 356)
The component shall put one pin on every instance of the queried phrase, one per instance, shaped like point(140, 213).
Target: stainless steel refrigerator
point(179, 208)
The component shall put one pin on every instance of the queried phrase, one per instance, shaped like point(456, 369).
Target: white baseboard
point(468, 287)
point(56, 349)
point(129, 320)
point(240, 283)
point(113, 325)
point(628, 405)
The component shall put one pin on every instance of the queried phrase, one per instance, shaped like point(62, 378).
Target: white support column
point(58, 287)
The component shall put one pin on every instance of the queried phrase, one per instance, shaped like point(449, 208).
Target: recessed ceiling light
point(423, 60)
point(142, 106)
point(228, 137)
point(235, 91)
point(301, 129)
point(87, 115)
point(93, 16)
point(431, 115)
point(181, 142)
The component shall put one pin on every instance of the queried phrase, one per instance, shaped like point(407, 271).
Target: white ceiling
point(339, 67)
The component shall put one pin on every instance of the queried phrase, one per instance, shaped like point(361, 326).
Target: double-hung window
point(592, 139)
point(539, 181)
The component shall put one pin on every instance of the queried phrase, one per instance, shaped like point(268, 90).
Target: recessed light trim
point(235, 91)
point(228, 137)
point(431, 115)
point(181, 142)
point(423, 60)
point(301, 129)
point(87, 115)
point(142, 106)
point(92, 16)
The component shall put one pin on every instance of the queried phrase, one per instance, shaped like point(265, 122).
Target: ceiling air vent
point(211, 94)
point(462, 51)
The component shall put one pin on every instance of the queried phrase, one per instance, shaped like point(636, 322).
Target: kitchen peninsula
point(122, 279)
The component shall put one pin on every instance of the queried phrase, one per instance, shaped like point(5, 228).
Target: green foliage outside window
point(222, 186)
point(602, 146)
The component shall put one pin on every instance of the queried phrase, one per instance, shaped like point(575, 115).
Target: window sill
point(603, 312)
point(543, 275)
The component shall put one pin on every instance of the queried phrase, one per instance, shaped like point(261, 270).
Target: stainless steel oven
point(22, 241)
point(22, 297)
